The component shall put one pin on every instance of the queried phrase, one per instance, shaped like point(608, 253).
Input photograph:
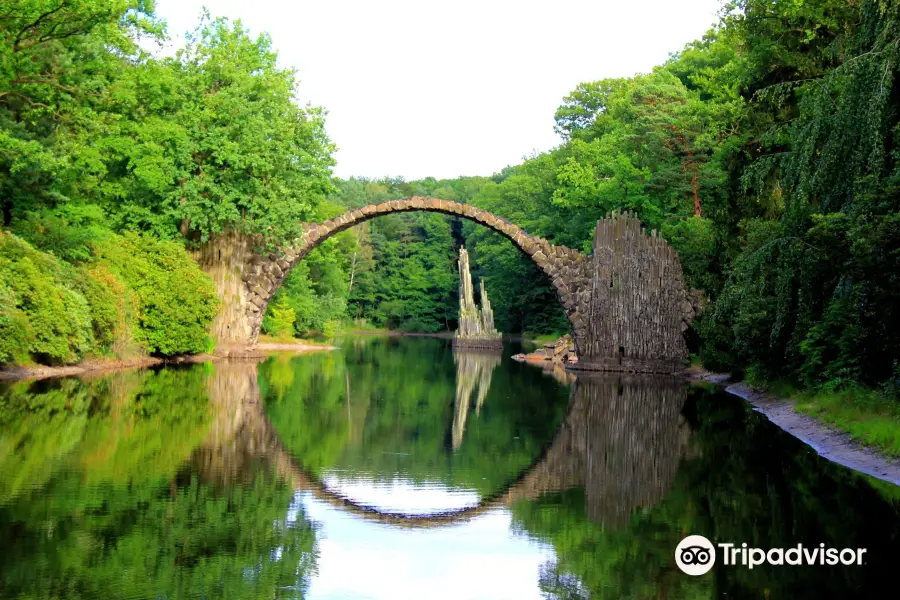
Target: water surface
point(395, 468)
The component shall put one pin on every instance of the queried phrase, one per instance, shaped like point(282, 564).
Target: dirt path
point(832, 444)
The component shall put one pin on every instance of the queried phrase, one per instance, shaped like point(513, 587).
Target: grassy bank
point(362, 326)
point(868, 416)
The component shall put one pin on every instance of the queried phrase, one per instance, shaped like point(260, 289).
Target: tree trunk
point(696, 189)
point(352, 273)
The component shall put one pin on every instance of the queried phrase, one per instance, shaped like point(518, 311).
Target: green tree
point(59, 64)
point(222, 144)
point(280, 319)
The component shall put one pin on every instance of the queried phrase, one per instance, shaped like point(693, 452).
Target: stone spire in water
point(476, 327)
point(487, 313)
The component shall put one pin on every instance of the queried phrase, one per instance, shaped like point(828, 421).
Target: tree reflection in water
point(649, 461)
point(116, 509)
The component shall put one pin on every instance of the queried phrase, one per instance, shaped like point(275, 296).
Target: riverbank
point(103, 365)
point(829, 442)
point(94, 365)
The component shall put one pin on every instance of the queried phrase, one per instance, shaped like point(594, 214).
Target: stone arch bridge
point(626, 301)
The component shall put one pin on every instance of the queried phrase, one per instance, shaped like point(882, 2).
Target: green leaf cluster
point(136, 294)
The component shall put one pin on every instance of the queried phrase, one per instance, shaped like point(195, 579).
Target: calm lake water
point(395, 468)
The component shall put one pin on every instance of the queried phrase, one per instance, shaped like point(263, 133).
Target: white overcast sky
point(435, 88)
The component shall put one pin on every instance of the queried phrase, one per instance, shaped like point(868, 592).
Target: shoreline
point(828, 442)
point(108, 365)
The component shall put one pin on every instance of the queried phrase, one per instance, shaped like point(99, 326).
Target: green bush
point(330, 329)
point(136, 291)
point(13, 327)
point(279, 320)
point(114, 308)
point(43, 318)
point(694, 239)
point(176, 300)
point(67, 231)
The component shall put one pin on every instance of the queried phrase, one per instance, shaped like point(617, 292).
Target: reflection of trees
point(472, 369)
point(118, 515)
point(739, 480)
point(113, 428)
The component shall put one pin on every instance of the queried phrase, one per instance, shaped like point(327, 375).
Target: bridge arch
point(626, 301)
point(564, 267)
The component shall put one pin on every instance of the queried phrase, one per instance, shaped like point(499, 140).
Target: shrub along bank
point(133, 295)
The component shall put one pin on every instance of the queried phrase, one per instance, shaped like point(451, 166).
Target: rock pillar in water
point(476, 326)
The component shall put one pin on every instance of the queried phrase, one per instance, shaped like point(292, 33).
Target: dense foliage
point(764, 152)
point(99, 138)
point(135, 294)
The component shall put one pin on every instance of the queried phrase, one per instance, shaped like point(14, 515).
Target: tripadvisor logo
point(696, 555)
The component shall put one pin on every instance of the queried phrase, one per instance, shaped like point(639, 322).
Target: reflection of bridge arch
point(622, 440)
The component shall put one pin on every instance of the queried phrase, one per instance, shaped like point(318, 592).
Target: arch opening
point(562, 266)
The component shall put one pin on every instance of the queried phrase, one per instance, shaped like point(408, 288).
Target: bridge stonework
point(626, 301)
